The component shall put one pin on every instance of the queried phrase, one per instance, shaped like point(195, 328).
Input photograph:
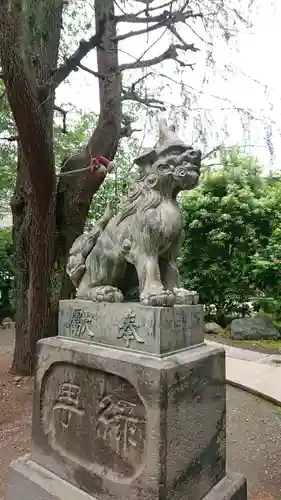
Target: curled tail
point(83, 245)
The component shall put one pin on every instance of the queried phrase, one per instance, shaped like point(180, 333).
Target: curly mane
point(140, 198)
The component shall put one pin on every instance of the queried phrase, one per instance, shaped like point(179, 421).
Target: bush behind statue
point(229, 221)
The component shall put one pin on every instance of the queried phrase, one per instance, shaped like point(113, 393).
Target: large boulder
point(255, 328)
point(213, 328)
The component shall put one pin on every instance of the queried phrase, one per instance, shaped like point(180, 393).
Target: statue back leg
point(104, 269)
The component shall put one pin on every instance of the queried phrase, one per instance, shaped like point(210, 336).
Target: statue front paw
point(154, 297)
point(106, 293)
point(185, 297)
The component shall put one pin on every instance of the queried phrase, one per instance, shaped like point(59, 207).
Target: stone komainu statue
point(139, 246)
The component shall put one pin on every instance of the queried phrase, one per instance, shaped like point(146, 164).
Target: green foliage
point(266, 264)
point(8, 155)
point(6, 272)
point(78, 133)
point(115, 185)
point(228, 218)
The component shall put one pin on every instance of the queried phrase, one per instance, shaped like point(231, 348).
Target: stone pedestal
point(129, 404)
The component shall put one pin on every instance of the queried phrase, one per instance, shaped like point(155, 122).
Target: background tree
point(6, 273)
point(48, 216)
point(228, 220)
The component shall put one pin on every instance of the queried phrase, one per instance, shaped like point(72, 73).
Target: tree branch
point(132, 95)
point(143, 11)
point(184, 46)
point(63, 113)
point(92, 72)
point(143, 77)
point(161, 24)
point(12, 138)
point(176, 16)
point(170, 53)
point(85, 46)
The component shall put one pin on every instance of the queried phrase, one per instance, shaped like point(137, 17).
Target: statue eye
point(181, 172)
point(164, 167)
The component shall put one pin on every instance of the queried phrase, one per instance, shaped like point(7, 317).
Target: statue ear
point(145, 160)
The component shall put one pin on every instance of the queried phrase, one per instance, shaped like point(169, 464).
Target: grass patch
point(268, 344)
point(278, 409)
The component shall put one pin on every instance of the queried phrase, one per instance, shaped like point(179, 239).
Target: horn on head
point(167, 133)
point(163, 131)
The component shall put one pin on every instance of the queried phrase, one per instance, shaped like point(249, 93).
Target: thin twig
point(63, 113)
point(12, 138)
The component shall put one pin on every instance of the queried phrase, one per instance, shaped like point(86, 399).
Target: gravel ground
point(254, 443)
point(253, 431)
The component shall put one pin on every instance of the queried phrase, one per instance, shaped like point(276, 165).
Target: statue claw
point(106, 294)
point(161, 298)
point(185, 297)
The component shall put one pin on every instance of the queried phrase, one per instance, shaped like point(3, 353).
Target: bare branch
point(2, 94)
point(85, 46)
point(170, 53)
point(185, 46)
point(92, 72)
point(161, 24)
point(132, 95)
point(133, 86)
point(63, 113)
point(214, 150)
point(12, 138)
point(159, 7)
point(176, 16)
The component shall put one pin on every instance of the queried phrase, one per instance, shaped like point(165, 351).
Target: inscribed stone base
point(124, 425)
point(155, 330)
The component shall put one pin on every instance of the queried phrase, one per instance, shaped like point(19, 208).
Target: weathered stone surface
point(156, 330)
point(124, 425)
point(30, 481)
point(254, 328)
point(138, 247)
point(231, 487)
point(213, 328)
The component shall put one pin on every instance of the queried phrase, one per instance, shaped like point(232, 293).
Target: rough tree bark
point(33, 202)
point(46, 222)
point(41, 54)
point(74, 193)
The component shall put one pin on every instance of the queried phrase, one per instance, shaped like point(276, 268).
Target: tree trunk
point(33, 203)
point(41, 245)
point(75, 192)
point(21, 217)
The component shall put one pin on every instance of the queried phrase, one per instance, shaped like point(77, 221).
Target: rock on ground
point(255, 328)
point(213, 328)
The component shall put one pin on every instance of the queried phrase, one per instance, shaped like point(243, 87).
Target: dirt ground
point(253, 431)
point(15, 417)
